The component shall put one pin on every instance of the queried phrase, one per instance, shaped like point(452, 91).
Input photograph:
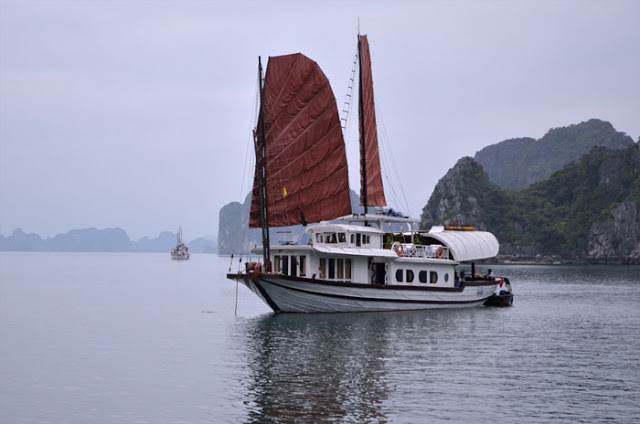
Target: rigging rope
point(254, 119)
point(346, 106)
point(400, 200)
point(385, 137)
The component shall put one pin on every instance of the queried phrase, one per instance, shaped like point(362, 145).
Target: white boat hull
point(291, 295)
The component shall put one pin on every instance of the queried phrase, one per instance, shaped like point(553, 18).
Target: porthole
point(409, 276)
point(422, 276)
point(433, 277)
point(446, 277)
point(399, 276)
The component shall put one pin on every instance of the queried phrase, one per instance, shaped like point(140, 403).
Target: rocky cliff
point(587, 212)
point(464, 195)
point(617, 239)
point(234, 235)
point(520, 162)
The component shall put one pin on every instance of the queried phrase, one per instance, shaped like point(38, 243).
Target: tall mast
point(363, 153)
point(261, 165)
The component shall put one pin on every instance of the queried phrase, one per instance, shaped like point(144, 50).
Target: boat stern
point(503, 295)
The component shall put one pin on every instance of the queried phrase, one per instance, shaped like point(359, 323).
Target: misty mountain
point(520, 162)
point(165, 241)
point(205, 244)
point(90, 240)
point(99, 240)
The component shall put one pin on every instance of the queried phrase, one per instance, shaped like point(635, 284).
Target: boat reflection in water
point(337, 367)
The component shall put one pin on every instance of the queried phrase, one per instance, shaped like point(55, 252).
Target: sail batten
point(307, 175)
point(371, 186)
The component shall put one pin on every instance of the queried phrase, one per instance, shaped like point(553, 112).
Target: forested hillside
point(520, 162)
point(589, 211)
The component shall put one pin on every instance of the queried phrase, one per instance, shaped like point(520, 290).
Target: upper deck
point(352, 237)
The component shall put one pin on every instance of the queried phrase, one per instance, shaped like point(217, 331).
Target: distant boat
point(181, 251)
point(356, 264)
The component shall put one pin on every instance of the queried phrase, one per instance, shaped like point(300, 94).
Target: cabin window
point(340, 269)
point(353, 238)
point(347, 269)
point(422, 276)
point(285, 265)
point(342, 238)
point(276, 263)
point(358, 239)
point(332, 268)
point(294, 266)
point(409, 276)
point(446, 277)
point(323, 268)
point(319, 238)
point(399, 276)
point(433, 277)
point(303, 265)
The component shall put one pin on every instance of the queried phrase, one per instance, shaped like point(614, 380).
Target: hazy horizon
point(131, 237)
point(138, 115)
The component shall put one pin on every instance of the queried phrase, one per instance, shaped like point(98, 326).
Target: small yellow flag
point(284, 192)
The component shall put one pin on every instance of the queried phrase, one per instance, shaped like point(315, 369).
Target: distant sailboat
point(181, 251)
point(301, 177)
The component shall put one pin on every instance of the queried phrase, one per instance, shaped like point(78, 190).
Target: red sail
point(370, 165)
point(306, 162)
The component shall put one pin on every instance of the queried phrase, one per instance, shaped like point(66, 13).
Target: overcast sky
point(138, 114)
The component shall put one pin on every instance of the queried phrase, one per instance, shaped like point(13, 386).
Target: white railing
point(434, 251)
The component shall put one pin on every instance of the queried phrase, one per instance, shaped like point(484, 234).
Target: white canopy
point(468, 245)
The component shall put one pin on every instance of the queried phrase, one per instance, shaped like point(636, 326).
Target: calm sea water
point(138, 338)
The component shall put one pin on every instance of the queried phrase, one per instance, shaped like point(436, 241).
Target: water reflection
point(331, 366)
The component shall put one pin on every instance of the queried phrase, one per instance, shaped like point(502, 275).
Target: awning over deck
point(467, 245)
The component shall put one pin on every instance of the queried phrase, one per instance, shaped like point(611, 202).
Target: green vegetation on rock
point(520, 162)
point(588, 211)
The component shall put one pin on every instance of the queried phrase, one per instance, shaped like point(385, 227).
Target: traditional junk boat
point(351, 263)
point(181, 251)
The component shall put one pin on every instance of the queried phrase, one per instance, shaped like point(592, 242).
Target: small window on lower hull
point(422, 276)
point(399, 276)
point(409, 276)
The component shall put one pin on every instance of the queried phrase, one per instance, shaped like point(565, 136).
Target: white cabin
point(350, 253)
